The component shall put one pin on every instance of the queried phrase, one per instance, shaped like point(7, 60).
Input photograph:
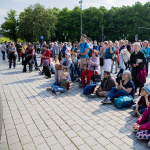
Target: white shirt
point(3, 47)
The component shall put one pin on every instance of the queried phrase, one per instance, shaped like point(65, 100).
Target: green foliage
point(9, 27)
point(36, 20)
point(3, 39)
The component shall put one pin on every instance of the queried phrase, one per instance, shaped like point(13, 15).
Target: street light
point(65, 36)
point(125, 36)
point(80, 2)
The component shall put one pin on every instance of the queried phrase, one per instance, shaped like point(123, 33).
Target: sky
point(19, 5)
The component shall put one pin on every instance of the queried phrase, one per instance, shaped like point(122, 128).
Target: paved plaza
point(35, 119)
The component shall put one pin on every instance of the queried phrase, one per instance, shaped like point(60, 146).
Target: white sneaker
point(57, 93)
point(149, 144)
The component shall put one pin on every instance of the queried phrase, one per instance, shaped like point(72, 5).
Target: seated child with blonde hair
point(62, 86)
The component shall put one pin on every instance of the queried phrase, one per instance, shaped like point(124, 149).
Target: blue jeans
point(57, 88)
point(3, 53)
point(115, 93)
point(122, 66)
point(141, 108)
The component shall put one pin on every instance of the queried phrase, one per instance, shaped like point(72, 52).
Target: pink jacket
point(144, 121)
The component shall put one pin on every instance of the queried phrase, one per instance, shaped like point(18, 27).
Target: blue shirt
point(64, 49)
point(55, 50)
point(130, 84)
point(146, 51)
point(82, 47)
point(95, 47)
point(75, 49)
point(108, 55)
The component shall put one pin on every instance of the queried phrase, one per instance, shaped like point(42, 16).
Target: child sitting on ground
point(142, 127)
point(62, 86)
point(59, 69)
point(143, 103)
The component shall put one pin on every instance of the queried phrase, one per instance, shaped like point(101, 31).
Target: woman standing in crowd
point(89, 72)
point(95, 46)
point(146, 51)
point(115, 58)
point(137, 62)
point(121, 61)
point(102, 57)
point(46, 61)
point(12, 55)
point(74, 49)
point(109, 52)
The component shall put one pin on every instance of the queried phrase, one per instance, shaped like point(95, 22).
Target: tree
point(10, 26)
point(37, 21)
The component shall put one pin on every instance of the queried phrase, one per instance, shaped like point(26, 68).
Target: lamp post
point(125, 36)
point(65, 36)
point(80, 2)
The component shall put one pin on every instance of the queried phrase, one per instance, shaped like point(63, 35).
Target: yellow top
point(24, 48)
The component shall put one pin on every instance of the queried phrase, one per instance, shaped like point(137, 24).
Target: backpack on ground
point(124, 102)
point(89, 89)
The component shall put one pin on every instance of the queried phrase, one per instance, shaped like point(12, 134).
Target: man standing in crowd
point(37, 47)
point(84, 51)
point(55, 50)
point(64, 49)
point(3, 50)
point(49, 44)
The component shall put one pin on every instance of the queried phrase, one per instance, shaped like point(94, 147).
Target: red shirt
point(47, 53)
point(142, 101)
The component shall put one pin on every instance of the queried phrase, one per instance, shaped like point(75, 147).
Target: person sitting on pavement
point(105, 87)
point(126, 88)
point(142, 127)
point(62, 86)
point(89, 72)
point(143, 103)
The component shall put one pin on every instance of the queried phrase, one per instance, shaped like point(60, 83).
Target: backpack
point(88, 52)
point(124, 101)
point(89, 89)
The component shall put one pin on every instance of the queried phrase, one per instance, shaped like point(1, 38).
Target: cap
point(146, 88)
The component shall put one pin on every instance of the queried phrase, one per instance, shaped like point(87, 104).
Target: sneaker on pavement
point(106, 101)
point(49, 89)
point(77, 80)
point(57, 93)
point(139, 115)
point(82, 85)
point(92, 96)
point(134, 114)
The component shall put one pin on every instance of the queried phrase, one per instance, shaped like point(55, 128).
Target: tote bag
point(45, 62)
point(141, 75)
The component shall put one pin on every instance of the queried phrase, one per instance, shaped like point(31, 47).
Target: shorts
point(83, 63)
point(106, 93)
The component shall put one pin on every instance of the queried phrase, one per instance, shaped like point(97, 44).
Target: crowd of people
point(86, 60)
